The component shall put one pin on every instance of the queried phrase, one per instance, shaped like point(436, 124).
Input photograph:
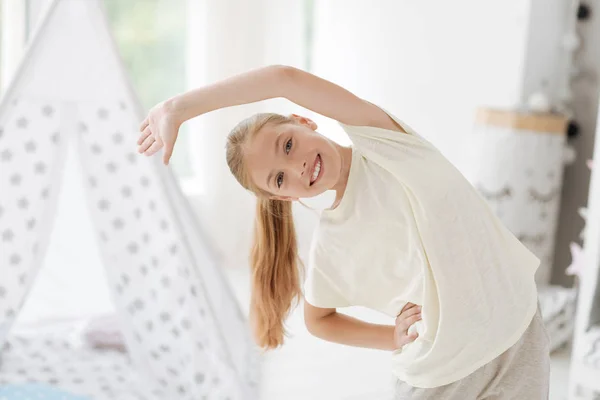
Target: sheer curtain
point(13, 36)
point(228, 37)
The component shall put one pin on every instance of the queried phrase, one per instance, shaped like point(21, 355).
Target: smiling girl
point(407, 235)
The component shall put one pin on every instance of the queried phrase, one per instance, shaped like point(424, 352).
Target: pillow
point(104, 332)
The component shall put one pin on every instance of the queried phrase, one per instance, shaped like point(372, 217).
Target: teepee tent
point(185, 335)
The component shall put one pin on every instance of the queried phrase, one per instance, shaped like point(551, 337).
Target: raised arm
point(300, 87)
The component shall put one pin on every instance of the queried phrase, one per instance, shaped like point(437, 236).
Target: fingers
point(404, 321)
point(151, 141)
point(145, 133)
point(157, 145)
point(408, 311)
point(412, 311)
point(403, 338)
point(144, 124)
point(146, 144)
point(407, 306)
point(411, 320)
point(168, 153)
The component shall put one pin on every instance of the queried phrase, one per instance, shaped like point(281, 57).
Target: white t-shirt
point(411, 228)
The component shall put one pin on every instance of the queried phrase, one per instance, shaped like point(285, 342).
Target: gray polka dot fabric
point(185, 335)
point(56, 357)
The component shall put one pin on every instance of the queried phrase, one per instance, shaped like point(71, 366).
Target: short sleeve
point(386, 134)
point(320, 291)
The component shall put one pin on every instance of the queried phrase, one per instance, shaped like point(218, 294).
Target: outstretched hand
point(159, 129)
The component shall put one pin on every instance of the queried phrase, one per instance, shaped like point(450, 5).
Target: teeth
point(317, 170)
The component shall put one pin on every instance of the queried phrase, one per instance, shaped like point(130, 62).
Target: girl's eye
point(288, 146)
point(280, 180)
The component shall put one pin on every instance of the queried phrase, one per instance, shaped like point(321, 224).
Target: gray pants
point(520, 373)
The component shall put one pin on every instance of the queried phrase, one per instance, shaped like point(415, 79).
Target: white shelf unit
point(518, 161)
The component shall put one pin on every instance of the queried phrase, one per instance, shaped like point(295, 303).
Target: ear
point(283, 198)
point(304, 121)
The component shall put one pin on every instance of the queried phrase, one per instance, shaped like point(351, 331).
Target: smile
point(316, 170)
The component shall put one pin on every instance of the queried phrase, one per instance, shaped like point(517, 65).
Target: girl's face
point(292, 160)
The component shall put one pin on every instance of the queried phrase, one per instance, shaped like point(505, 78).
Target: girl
point(406, 230)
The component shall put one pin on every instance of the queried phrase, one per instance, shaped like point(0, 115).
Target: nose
point(298, 166)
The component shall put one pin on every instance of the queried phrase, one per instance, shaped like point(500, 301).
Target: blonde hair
point(274, 256)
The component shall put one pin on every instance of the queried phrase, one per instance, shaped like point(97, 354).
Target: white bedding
point(56, 355)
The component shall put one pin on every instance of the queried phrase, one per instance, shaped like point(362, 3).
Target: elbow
point(310, 323)
point(315, 325)
point(285, 76)
point(315, 318)
point(311, 327)
point(284, 70)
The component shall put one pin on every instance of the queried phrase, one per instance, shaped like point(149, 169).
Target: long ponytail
point(275, 272)
point(274, 261)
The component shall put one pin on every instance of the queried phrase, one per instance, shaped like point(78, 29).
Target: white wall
point(430, 65)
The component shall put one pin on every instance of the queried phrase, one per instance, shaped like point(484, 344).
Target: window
point(13, 35)
point(151, 36)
